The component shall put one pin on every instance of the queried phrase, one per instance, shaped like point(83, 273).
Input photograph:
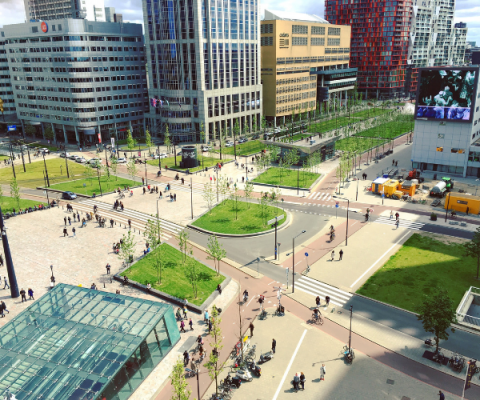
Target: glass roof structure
point(81, 344)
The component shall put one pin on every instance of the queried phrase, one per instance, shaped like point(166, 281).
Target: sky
point(12, 11)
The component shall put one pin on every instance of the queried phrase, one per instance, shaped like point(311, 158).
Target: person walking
point(6, 283)
point(191, 324)
point(129, 224)
point(108, 268)
point(74, 217)
point(323, 371)
point(22, 293)
point(186, 357)
point(333, 255)
point(30, 294)
point(65, 220)
point(182, 326)
point(251, 329)
point(317, 301)
point(73, 231)
point(442, 396)
point(205, 317)
point(296, 381)
point(340, 255)
point(397, 223)
point(391, 214)
point(3, 307)
point(78, 216)
point(1, 260)
point(274, 345)
point(397, 215)
point(174, 197)
point(327, 301)
point(210, 326)
point(302, 380)
point(69, 221)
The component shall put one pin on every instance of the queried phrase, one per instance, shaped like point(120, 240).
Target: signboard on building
point(99, 138)
point(44, 27)
point(11, 127)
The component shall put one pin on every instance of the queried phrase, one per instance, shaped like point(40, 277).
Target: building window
point(333, 42)
point(441, 136)
point(440, 149)
point(334, 31)
point(318, 30)
point(457, 151)
point(299, 41)
point(300, 29)
point(266, 28)
point(266, 41)
point(317, 41)
point(34, 29)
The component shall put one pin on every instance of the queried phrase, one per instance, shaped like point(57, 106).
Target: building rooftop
point(71, 343)
point(292, 16)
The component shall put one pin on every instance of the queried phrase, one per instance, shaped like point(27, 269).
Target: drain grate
point(390, 382)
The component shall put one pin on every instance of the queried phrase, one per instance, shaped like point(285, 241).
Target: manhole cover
point(405, 398)
point(390, 381)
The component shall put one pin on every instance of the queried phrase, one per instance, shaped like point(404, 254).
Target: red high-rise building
point(379, 46)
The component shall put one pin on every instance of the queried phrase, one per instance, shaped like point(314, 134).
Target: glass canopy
point(81, 344)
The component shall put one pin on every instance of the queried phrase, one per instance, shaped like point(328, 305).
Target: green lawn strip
point(286, 177)
point(8, 204)
point(420, 267)
point(57, 172)
point(4, 158)
point(204, 161)
point(174, 280)
point(298, 136)
point(249, 218)
point(92, 186)
point(243, 149)
point(358, 143)
point(388, 130)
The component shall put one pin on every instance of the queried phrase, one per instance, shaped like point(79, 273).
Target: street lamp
point(51, 268)
point(346, 229)
point(8, 260)
point(350, 333)
point(293, 261)
point(446, 210)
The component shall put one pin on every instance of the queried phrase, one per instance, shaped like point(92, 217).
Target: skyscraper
point(93, 10)
point(203, 66)
point(379, 46)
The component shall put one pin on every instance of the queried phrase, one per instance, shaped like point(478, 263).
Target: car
point(206, 148)
point(81, 160)
point(69, 195)
point(63, 155)
point(121, 160)
point(72, 157)
point(242, 140)
point(155, 156)
point(229, 144)
point(94, 161)
point(163, 155)
point(44, 150)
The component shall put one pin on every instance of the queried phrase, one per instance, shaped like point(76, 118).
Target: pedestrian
point(327, 300)
point(78, 216)
point(274, 345)
point(302, 380)
point(30, 294)
point(129, 224)
point(108, 268)
point(468, 209)
point(174, 197)
point(391, 214)
point(397, 223)
point(393, 163)
point(111, 223)
point(74, 217)
point(251, 329)
point(73, 231)
point(397, 215)
point(365, 176)
point(69, 221)
point(210, 326)
point(442, 396)
point(182, 326)
point(193, 365)
point(341, 255)
point(396, 164)
point(6, 283)
point(3, 307)
point(160, 196)
point(296, 381)
point(323, 371)
point(186, 357)
point(65, 220)
point(333, 255)
point(22, 293)
point(219, 288)
point(185, 312)
point(93, 286)
point(191, 324)
point(143, 183)
point(144, 189)
point(65, 232)
point(317, 301)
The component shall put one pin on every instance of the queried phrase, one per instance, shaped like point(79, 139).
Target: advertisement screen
point(446, 94)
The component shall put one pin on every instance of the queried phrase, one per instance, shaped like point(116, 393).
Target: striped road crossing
point(316, 288)
point(320, 196)
point(403, 223)
point(198, 188)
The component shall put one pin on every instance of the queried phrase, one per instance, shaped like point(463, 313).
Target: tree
point(131, 142)
point(254, 123)
point(213, 365)
point(236, 132)
point(181, 390)
point(223, 187)
point(113, 166)
point(89, 173)
point(48, 131)
point(148, 140)
point(264, 124)
point(246, 128)
point(248, 192)
point(215, 252)
point(472, 248)
point(30, 130)
point(15, 192)
point(221, 138)
point(191, 272)
point(202, 140)
point(1, 194)
point(263, 200)
point(106, 174)
point(437, 313)
point(183, 243)
point(127, 249)
point(209, 194)
point(153, 232)
point(235, 193)
point(166, 138)
point(132, 169)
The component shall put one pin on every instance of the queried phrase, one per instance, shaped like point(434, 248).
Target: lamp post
point(446, 210)
point(46, 170)
point(356, 197)
point(99, 183)
point(350, 333)
point(158, 222)
point(51, 268)
point(293, 260)
point(346, 229)
point(8, 260)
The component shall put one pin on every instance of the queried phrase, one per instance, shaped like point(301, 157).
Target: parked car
point(81, 160)
point(121, 160)
point(229, 144)
point(206, 148)
point(94, 161)
point(44, 150)
point(65, 155)
point(163, 155)
point(242, 140)
point(72, 156)
point(69, 195)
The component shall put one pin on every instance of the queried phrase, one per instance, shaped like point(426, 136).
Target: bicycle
point(317, 319)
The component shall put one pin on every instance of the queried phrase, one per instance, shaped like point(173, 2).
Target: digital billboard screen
point(446, 94)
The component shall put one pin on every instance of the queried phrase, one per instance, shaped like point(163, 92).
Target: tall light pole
point(346, 229)
point(8, 260)
point(46, 170)
point(191, 196)
point(350, 333)
point(99, 183)
point(446, 210)
point(293, 260)
point(158, 222)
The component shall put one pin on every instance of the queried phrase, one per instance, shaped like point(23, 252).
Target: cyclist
point(316, 313)
point(245, 295)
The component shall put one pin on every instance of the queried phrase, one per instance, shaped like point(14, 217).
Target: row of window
point(315, 30)
point(305, 60)
point(296, 80)
point(71, 48)
point(224, 105)
point(66, 90)
point(76, 119)
point(295, 97)
point(79, 38)
point(297, 88)
point(299, 106)
point(76, 59)
point(452, 150)
point(80, 109)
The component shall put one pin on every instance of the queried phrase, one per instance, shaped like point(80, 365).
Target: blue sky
point(11, 11)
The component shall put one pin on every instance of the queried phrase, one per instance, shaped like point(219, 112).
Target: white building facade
point(203, 66)
point(6, 91)
point(44, 10)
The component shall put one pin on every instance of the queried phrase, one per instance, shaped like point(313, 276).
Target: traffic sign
point(336, 205)
point(11, 127)
point(306, 254)
point(272, 221)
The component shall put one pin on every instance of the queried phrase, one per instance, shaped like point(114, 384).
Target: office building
point(447, 121)
point(82, 78)
point(112, 16)
point(6, 92)
point(203, 66)
point(78, 343)
point(93, 10)
point(305, 60)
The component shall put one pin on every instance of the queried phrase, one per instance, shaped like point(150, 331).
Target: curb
point(281, 186)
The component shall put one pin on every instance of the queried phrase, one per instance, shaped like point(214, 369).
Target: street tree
point(263, 201)
point(235, 194)
point(1, 194)
point(132, 169)
point(89, 173)
point(181, 389)
point(209, 194)
point(30, 130)
point(202, 140)
point(166, 138)
point(131, 142)
point(247, 191)
point(215, 252)
point(15, 192)
point(148, 141)
point(114, 166)
point(223, 187)
point(264, 124)
point(437, 314)
point(106, 173)
point(214, 366)
point(48, 132)
point(254, 124)
point(153, 232)
point(191, 272)
point(183, 243)
point(246, 128)
point(127, 249)
point(221, 139)
point(472, 248)
point(236, 132)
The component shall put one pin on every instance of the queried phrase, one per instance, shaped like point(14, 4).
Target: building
point(447, 127)
point(93, 10)
point(112, 16)
point(460, 25)
point(78, 343)
point(379, 46)
point(304, 61)
point(459, 45)
point(6, 92)
point(84, 79)
point(203, 67)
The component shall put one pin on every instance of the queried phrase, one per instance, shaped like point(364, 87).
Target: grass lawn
point(4, 158)
point(357, 143)
point(57, 172)
point(286, 177)
point(402, 124)
point(244, 149)
point(421, 265)
point(8, 204)
point(174, 281)
point(295, 137)
point(204, 161)
point(221, 218)
point(92, 185)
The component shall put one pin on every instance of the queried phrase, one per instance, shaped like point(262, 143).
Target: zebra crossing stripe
point(404, 224)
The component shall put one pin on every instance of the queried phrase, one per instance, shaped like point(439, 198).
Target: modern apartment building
point(6, 91)
point(44, 10)
point(301, 55)
point(85, 79)
point(203, 66)
point(112, 16)
point(379, 46)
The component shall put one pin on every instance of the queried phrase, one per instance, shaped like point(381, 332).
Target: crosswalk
point(176, 185)
point(320, 196)
point(316, 288)
point(138, 218)
point(403, 223)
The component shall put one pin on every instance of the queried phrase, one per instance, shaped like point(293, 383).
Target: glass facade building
point(82, 344)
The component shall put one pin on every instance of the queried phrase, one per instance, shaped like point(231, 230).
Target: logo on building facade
point(44, 27)
point(284, 35)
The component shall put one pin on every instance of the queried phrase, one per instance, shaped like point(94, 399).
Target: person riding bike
point(316, 313)
point(245, 295)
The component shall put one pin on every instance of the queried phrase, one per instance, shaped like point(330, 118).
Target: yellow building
point(304, 60)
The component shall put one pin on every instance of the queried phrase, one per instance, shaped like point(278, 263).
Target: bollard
point(111, 280)
point(104, 285)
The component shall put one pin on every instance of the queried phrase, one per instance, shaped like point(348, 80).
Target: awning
point(87, 131)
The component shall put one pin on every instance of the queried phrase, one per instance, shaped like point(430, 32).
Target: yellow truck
point(378, 185)
point(390, 187)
